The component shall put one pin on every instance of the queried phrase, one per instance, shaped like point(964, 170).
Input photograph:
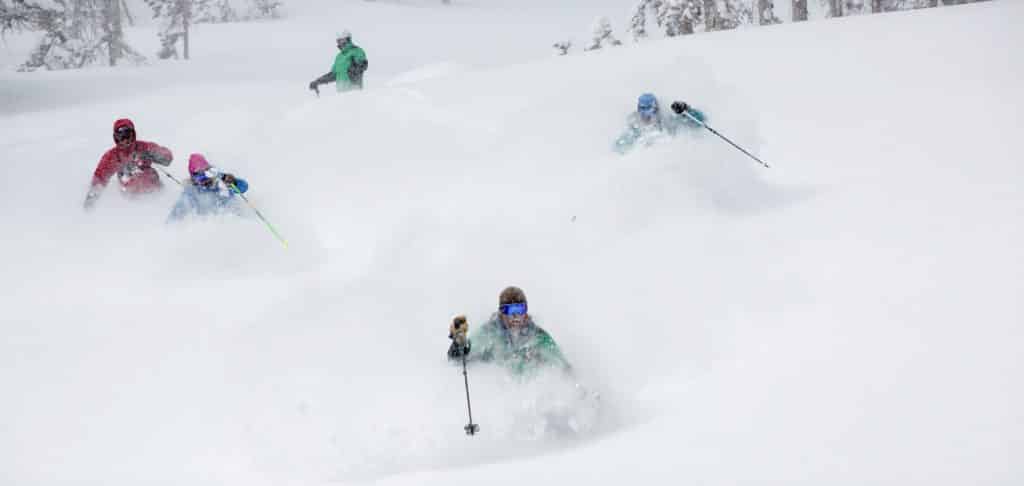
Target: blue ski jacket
point(218, 198)
point(647, 133)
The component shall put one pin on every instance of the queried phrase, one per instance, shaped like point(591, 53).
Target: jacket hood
point(124, 122)
point(197, 163)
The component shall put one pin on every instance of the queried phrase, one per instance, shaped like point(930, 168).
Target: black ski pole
point(459, 322)
point(470, 428)
point(712, 130)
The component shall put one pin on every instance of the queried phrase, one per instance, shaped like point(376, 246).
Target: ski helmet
point(512, 295)
point(197, 163)
point(647, 105)
point(344, 35)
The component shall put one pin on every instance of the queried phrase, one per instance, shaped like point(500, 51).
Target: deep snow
point(850, 316)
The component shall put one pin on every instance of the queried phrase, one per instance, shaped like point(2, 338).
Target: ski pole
point(712, 130)
point(168, 174)
point(470, 428)
point(260, 215)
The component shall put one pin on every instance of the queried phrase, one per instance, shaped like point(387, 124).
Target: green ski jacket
point(349, 65)
point(524, 352)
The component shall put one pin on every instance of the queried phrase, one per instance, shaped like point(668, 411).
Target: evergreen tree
point(638, 22)
point(76, 33)
point(766, 13)
point(799, 10)
point(562, 47)
point(267, 8)
point(602, 35)
point(175, 18)
point(680, 16)
point(734, 13)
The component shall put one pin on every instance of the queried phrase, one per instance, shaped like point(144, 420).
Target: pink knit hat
point(197, 163)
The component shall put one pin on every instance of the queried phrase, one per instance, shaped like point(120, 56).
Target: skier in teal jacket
point(648, 123)
point(349, 65)
point(509, 338)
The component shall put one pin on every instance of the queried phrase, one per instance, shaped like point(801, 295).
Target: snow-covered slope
point(850, 316)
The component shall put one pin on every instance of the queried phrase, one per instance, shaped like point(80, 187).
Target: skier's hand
point(90, 200)
point(679, 107)
point(228, 179)
point(458, 330)
point(312, 85)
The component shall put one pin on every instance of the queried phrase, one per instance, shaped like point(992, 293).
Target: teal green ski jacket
point(524, 352)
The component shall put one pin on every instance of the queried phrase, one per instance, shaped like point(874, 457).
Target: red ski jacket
point(132, 164)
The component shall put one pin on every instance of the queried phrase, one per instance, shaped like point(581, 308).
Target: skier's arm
point(240, 185)
point(683, 112)
point(100, 177)
point(552, 354)
point(154, 153)
point(358, 65)
point(325, 79)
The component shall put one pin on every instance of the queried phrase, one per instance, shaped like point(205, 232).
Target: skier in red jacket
point(132, 160)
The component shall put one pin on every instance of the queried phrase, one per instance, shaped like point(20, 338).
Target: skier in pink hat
point(208, 191)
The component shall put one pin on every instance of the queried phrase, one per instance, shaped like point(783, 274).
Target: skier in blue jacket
point(648, 123)
point(208, 191)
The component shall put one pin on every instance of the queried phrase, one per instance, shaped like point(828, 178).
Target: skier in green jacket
point(509, 338)
point(349, 66)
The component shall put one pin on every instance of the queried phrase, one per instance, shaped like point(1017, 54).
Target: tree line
point(79, 33)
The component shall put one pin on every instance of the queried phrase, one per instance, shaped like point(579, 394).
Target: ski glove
point(90, 199)
point(458, 330)
point(679, 107)
point(356, 69)
point(228, 179)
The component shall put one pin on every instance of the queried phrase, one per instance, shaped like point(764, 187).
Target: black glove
point(679, 107)
point(228, 179)
point(312, 85)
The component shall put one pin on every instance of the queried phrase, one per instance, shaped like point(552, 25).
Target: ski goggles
point(647, 110)
point(202, 177)
point(124, 133)
point(516, 309)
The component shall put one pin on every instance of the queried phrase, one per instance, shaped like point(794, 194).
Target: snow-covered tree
point(835, 8)
point(602, 35)
point(766, 13)
point(679, 16)
point(25, 15)
point(175, 18)
point(710, 15)
point(734, 13)
point(76, 33)
point(854, 7)
point(213, 12)
point(799, 10)
point(266, 8)
point(638, 22)
point(562, 47)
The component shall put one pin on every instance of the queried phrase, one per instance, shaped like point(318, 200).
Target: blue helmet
point(647, 105)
